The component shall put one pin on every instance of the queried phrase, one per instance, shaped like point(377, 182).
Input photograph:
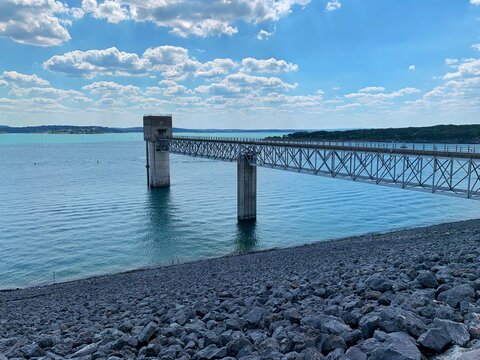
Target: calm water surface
point(78, 205)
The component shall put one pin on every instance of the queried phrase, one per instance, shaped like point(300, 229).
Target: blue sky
point(240, 63)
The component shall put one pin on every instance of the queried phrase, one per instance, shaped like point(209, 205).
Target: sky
point(249, 64)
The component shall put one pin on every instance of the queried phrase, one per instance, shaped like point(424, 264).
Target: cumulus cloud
point(191, 17)
point(370, 89)
point(3, 83)
point(267, 66)
point(110, 10)
point(264, 35)
point(375, 97)
point(412, 67)
point(451, 62)
point(469, 67)
point(333, 5)
point(171, 62)
point(475, 2)
point(476, 46)
point(109, 88)
point(96, 62)
point(36, 22)
point(242, 83)
point(17, 78)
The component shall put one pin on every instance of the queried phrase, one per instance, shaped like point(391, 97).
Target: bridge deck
point(445, 169)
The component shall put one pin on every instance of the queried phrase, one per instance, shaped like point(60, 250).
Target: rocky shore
point(412, 294)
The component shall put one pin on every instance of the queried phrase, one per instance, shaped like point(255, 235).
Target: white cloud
point(49, 92)
point(264, 35)
point(476, 46)
point(369, 89)
point(36, 22)
point(14, 77)
point(170, 61)
point(412, 67)
point(96, 62)
point(170, 88)
point(469, 67)
point(267, 66)
point(109, 88)
point(110, 10)
point(244, 83)
point(333, 5)
point(377, 98)
point(3, 83)
point(475, 2)
point(450, 62)
point(191, 17)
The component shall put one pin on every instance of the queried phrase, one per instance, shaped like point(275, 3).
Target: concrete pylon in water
point(246, 188)
point(158, 160)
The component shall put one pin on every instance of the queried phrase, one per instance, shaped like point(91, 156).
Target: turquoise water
point(78, 205)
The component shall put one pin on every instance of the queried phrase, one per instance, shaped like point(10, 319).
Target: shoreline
point(232, 254)
point(361, 297)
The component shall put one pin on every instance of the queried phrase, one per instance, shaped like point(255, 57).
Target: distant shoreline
point(450, 134)
point(78, 130)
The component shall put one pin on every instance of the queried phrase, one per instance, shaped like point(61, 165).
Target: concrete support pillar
point(158, 166)
point(246, 188)
point(158, 157)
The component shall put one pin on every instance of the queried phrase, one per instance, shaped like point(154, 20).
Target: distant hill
point(71, 129)
point(460, 134)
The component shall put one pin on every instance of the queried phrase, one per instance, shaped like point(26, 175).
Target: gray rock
point(395, 319)
point(397, 346)
point(211, 352)
point(311, 354)
point(233, 324)
point(234, 346)
point(126, 326)
point(46, 342)
point(458, 332)
point(457, 294)
point(147, 332)
point(435, 339)
point(330, 343)
point(125, 341)
point(86, 350)
point(368, 324)
point(293, 316)
point(473, 324)
point(427, 279)
point(151, 350)
point(354, 353)
point(34, 350)
point(379, 282)
point(255, 316)
point(459, 353)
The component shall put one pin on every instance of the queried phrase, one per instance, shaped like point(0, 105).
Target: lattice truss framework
point(450, 174)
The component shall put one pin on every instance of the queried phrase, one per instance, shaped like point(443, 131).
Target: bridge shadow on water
point(246, 237)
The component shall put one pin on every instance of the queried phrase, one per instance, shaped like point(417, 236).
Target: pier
point(441, 169)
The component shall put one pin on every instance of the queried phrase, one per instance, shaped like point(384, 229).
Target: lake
point(73, 206)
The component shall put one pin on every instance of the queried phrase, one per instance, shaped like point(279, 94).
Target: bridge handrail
point(398, 146)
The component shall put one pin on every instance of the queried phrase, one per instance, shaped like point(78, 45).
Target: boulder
point(379, 282)
point(457, 294)
point(211, 352)
point(397, 346)
point(426, 279)
point(147, 332)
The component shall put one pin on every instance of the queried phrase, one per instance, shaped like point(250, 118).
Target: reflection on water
point(246, 238)
point(158, 243)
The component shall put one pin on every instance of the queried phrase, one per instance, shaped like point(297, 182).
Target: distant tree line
point(461, 134)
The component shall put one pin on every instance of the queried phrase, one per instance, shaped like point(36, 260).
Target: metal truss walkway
point(444, 170)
